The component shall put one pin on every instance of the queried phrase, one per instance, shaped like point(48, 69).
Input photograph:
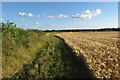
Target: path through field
point(66, 55)
point(55, 60)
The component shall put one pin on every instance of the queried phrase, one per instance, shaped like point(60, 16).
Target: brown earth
point(100, 50)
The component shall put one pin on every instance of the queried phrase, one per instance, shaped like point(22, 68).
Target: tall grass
point(36, 54)
point(19, 47)
point(30, 53)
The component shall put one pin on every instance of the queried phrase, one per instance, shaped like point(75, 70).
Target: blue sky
point(61, 15)
point(60, 0)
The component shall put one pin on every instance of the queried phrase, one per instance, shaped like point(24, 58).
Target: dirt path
point(78, 67)
point(65, 63)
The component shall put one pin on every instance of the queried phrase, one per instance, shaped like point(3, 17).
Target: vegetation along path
point(55, 60)
point(37, 54)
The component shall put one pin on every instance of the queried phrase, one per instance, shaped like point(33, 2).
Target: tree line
point(84, 30)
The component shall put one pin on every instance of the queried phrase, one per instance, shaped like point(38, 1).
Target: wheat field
point(100, 49)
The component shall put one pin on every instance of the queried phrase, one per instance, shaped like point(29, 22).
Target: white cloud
point(37, 23)
point(50, 16)
point(62, 16)
point(25, 14)
point(1, 20)
point(98, 11)
point(59, 16)
point(87, 14)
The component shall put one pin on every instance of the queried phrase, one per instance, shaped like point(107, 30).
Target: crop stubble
point(100, 49)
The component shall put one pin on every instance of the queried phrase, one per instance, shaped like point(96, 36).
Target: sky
point(61, 15)
point(60, 0)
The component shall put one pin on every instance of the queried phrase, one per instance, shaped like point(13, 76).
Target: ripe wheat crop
point(100, 49)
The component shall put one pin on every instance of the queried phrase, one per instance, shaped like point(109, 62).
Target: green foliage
point(16, 33)
point(44, 65)
point(36, 54)
point(13, 36)
point(18, 47)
